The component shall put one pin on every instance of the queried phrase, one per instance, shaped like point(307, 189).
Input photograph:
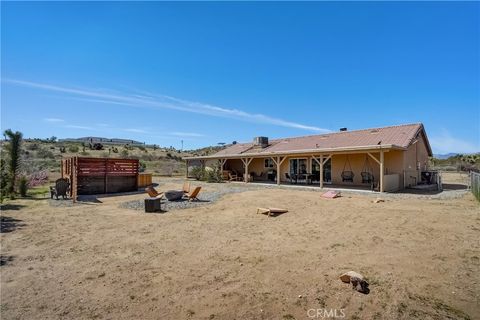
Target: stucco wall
point(415, 161)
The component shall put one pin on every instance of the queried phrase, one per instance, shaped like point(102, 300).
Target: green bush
point(73, 148)
point(213, 175)
point(23, 186)
point(197, 173)
point(124, 153)
point(45, 154)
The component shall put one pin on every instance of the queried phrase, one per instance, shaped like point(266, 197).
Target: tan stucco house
point(386, 159)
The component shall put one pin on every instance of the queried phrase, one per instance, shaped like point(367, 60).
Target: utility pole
point(182, 146)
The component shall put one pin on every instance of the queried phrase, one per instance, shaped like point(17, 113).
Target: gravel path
point(205, 198)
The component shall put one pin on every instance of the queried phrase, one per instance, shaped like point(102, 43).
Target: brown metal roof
point(400, 136)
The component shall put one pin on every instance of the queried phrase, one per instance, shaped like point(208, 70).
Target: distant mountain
point(101, 140)
point(444, 156)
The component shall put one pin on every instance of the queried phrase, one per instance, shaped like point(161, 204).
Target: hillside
point(46, 154)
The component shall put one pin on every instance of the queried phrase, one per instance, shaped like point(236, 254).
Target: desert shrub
point(45, 154)
point(142, 148)
point(142, 166)
point(73, 148)
point(3, 179)
point(38, 178)
point(148, 157)
point(32, 147)
point(213, 175)
point(23, 186)
point(62, 149)
point(198, 173)
point(96, 146)
point(114, 149)
point(124, 153)
point(84, 153)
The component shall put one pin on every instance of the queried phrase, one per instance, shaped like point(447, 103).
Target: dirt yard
point(223, 261)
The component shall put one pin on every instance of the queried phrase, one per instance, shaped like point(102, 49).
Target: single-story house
point(385, 159)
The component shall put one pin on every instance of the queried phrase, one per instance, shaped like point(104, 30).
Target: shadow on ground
point(9, 224)
point(4, 260)
point(6, 207)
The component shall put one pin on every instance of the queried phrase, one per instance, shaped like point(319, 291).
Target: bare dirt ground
point(223, 261)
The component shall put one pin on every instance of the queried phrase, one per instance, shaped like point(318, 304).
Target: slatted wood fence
point(100, 175)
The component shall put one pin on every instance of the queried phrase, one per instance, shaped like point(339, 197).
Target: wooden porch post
point(186, 169)
point(321, 171)
point(382, 170)
point(222, 163)
point(278, 162)
point(246, 162)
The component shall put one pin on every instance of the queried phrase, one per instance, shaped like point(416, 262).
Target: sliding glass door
point(327, 170)
point(298, 166)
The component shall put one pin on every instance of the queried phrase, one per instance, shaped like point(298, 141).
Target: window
point(269, 163)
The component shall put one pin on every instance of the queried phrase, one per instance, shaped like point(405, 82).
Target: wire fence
point(475, 184)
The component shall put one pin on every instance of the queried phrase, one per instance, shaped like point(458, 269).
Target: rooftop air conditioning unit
point(260, 141)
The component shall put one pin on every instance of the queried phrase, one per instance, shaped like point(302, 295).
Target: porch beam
point(373, 157)
point(282, 159)
point(317, 160)
point(382, 171)
point(326, 159)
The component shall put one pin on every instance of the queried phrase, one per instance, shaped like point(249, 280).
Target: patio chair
point(367, 177)
point(62, 186)
point(153, 193)
point(347, 176)
point(233, 177)
point(194, 194)
point(186, 187)
point(288, 177)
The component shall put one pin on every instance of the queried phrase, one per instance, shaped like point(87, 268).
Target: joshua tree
point(13, 158)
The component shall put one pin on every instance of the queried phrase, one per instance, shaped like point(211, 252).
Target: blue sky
point(217, 72)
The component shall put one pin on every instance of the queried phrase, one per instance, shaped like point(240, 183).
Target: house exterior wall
point(415, 161)
point(397, 162)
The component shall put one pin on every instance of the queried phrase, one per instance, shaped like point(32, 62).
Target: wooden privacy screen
point(100, 175)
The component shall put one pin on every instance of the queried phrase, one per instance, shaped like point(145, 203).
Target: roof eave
point(282, 153)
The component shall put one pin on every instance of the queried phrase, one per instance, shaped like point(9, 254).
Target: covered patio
point(360, 170)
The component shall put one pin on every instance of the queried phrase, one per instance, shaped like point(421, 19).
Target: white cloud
point(72, 126)
point(167, 102)
point(446, 143)
point(186, 134)
point(135, 130)
point(53, 120)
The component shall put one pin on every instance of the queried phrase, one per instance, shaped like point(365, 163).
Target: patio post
point(186, 169)
point(382, 170)
point(321, 171)
point(246, 162)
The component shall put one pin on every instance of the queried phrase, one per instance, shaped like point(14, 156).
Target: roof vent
point(343, 129)
point(260, 141)
point(374, 131)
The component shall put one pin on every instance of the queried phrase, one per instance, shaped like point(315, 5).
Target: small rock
point(378, 200)
point(101, 275)
point(346, 276)
point(357, 281)
point(299, 295)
